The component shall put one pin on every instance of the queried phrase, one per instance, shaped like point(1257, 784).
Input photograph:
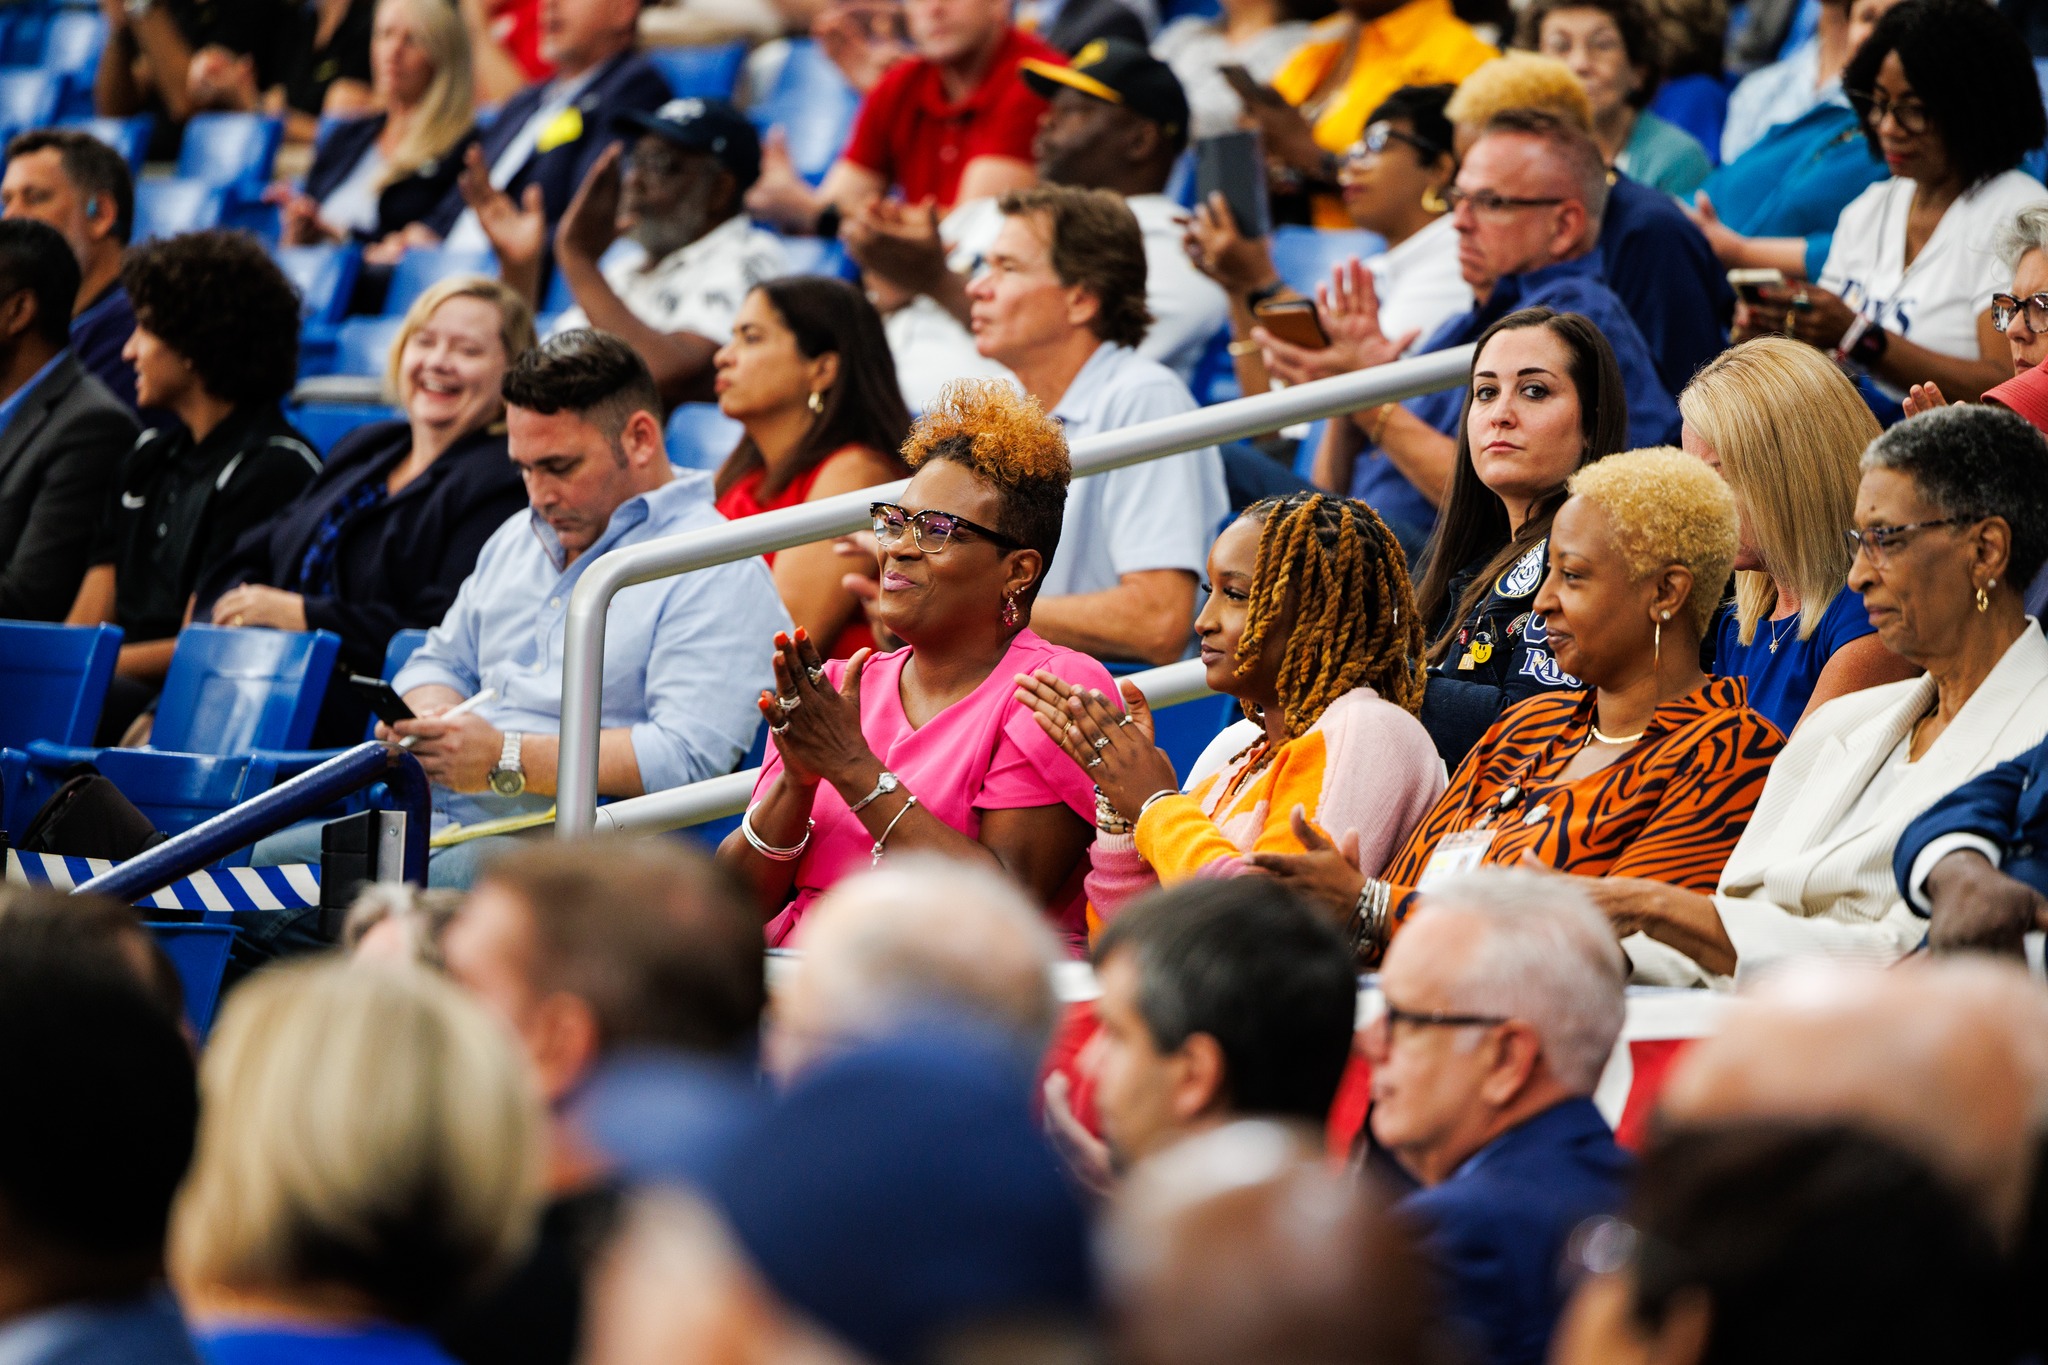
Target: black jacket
point(1499, 656)
point(57, 458)
point(397, 564)
point(625, 83)
point(402, 202)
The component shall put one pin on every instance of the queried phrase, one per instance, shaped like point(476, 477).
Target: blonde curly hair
point(1004, 437)
point(1666, 507)
point(1519, 80)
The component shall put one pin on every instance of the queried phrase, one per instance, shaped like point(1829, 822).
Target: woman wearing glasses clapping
point(923, 748)
point(1947, 96)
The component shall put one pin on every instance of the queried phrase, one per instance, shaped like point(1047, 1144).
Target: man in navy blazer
point(1976, 861)
point(547, 136)
point(1503, 999)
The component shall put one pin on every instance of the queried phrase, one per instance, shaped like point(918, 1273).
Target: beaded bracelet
point(1368, 924)
point(1107, 818)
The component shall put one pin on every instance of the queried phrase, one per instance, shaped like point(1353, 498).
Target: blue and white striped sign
point(225, 888)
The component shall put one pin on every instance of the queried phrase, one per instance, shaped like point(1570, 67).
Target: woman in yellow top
point(1321, 97)
point(1312, 625)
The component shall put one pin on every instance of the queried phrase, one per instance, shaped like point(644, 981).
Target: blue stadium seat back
point(165, 208)
point(324, 424)
point(21, 44)
point(128, 136)
point(232, 151)
point(29, 96)
point(813, 105)
point(1304, 256)
point(1305, 453)
point(230, 691)
point(817, 256)
point(1180, 184)
point(705, 73)
point(363, 345)
point(1180, 9)
point(1805, 23)
point(324, 277)
point(176, 791)
point(1698, 104)
point(422, 267)
point(72, 46)
point(52, 680)
point(200, 953)
point(1215, 378)
point(403, 645)
point(700, 436)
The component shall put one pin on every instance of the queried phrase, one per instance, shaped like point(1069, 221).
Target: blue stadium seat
point(1698, 104)
point(164, 208)
point(813, 105)
point(816, 256)
point(21, 43)
point(230, 691)
point(700, 436)
point(200, 954)
point(1304, 256)
point(176, 791)
point(326, 423)
point(424, 266)
point(72, 46)
point(557, 299)
point(324, 277)
point(363, 345)
point(401, 648)
point(52, 680)
point(705, 73)
point(29, 96)
point(128, 136)
point(232, 151)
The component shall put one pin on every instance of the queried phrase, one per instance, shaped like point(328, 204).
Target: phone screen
point(384, 702)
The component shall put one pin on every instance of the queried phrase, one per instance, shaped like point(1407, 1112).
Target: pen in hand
point(461, 708)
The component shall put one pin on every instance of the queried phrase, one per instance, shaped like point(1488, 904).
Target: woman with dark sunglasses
point(1947, 96)
point(923, 749)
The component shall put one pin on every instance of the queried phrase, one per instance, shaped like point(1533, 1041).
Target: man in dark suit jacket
point(1503, 999)
point(62, 434)
point(546, 138)
point(1976, 861)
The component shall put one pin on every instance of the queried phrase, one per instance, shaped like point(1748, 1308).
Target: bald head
point(1949, 1059)
point(920, 935)
point(1243, 1243)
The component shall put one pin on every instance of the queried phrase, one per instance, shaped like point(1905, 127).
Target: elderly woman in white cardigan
point(1951, 523)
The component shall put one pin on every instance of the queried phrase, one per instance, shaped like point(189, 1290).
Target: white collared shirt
point(1419, 284)
point(696, 288)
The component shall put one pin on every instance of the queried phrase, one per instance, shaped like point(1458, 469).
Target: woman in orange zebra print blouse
point(1652, 771)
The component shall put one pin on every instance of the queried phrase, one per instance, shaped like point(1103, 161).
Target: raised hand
point(517, 231)
point(591, 223)
point(1924, 398)
point(815, 726)
point(1105, 743)
point(781, 195)
point(898, 244)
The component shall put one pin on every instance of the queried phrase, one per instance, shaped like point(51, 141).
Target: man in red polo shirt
point(952, 123)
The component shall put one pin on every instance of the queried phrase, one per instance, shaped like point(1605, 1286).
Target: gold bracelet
point(1247, 347)
point(1373, 433)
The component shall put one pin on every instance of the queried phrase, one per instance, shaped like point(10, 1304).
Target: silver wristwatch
point(886, 783)
point(508, 778)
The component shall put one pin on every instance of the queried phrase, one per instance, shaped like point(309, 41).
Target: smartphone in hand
point(384, 703)
point(1293, 321)
point(1234, 165)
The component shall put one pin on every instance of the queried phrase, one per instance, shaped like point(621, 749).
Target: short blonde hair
point(1520, 80)
point(515, 321)
point(1665, 507)
point(1790, 431)
point(362, 1127)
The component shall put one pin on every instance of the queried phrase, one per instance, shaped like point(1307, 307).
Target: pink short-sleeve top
point(984, 752)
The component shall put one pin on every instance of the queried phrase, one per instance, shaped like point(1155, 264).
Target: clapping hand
point(780, 195)
point(517, 231)
point(897, 243)
point(1114, 748)
point(815, 726)
point(591, 222)
point(1325, 873)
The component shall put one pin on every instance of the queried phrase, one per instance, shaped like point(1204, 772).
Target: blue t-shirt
point(272, 1344)
point(1781, 682)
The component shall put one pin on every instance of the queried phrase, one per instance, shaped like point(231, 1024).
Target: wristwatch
point(508, 778)
point(886, 783)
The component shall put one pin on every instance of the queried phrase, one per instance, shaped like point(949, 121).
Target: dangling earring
point(1657, 643)
point(816, 402)
point(1433, 201)
point(1983, 599)
point(1010, 612)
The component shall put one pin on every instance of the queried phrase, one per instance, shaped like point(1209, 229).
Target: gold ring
point(235, 620)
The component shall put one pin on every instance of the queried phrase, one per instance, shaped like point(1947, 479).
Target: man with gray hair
point(1503, 1000)
point(920, 937)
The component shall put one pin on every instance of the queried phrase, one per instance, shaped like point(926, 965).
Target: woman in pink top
point(923, 748)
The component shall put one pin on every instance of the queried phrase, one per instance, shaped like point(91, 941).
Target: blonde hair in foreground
point(363, 1129)
point(1664, 507)
point(1520, 80)
point(448, 109)
point(515, 321)
point(1789, 429)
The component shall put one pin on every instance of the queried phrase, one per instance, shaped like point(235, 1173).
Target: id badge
point(1456, 854)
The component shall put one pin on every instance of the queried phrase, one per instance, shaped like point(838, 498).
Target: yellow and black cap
point(1119, 72)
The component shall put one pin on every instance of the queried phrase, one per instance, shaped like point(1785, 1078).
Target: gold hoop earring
point(1983, 600)
point(1433, 201)
point(816, 402)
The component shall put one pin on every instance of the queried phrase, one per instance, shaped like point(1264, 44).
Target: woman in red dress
point(809, 375)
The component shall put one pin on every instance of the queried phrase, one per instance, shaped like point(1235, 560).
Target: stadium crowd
point(1006, 1023)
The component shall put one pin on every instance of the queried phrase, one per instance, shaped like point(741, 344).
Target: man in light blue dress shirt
point(684, 656)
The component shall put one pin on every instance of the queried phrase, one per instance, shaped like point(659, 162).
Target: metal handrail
point(316, 788)
point(718, 797)
point(584, 624)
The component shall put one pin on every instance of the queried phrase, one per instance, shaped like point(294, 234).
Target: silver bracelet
point(889, 830)
point(1159, 795)
point(770, 851)
point(1368, 926)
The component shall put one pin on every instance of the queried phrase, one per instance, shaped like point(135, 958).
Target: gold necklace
point(1603, 737)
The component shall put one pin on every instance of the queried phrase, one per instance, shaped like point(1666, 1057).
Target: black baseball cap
point(711, 126)
point(1121, 72)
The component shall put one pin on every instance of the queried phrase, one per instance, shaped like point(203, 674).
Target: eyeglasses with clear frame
point(1487, 202)
point(1378, 136)
point(1910, 115)
point(1876, 543)
point(2005, 310)
point(932, 530)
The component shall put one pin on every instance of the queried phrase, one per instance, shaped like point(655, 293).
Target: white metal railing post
point(584, 624)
